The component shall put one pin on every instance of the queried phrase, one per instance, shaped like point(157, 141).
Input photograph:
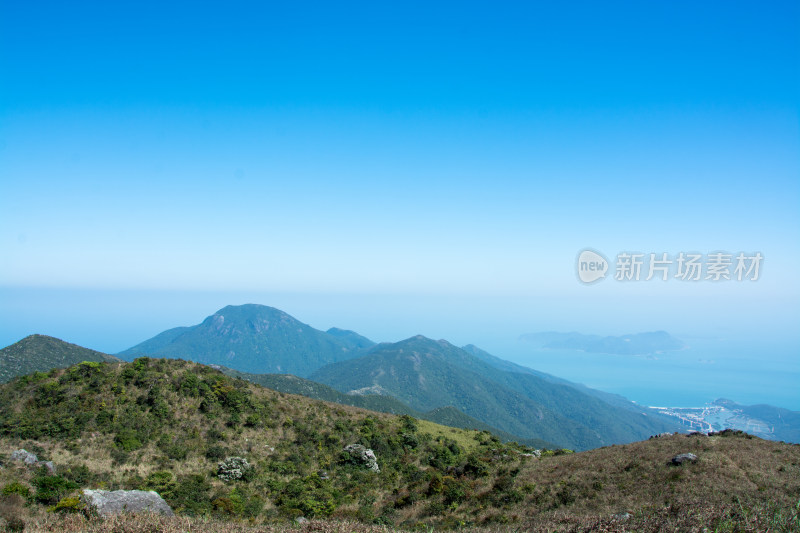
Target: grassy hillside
point(166, 425)
point(318, 391)
point(40, 353)
point(448, 416)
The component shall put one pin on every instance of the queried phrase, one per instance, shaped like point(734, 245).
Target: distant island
point(636, 344)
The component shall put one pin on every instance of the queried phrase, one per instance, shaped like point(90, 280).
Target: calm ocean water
point(745, 372)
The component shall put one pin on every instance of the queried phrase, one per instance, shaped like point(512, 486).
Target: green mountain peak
point(253, 338)
point(43, 353)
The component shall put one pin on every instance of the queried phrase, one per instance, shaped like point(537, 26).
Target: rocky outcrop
point(361, 455)
point(30, 459)
point(106, 503)
point(684, 458)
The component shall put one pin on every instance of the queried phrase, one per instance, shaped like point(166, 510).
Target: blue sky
point(394, 168)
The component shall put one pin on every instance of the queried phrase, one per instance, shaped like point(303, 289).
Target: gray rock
point(300, 520)
point(31, 460)
point(106, 503)
point(622, 516)
point(684, 458)
point(25, 456)
point(363, 456)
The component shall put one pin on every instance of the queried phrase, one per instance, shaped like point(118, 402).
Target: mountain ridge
point(426, 374)
point(41, 353)
point(253, 338)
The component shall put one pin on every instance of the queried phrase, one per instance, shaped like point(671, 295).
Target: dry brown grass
point(146, 523)
point(698, 517)
point(12, 512)
point(639, 476)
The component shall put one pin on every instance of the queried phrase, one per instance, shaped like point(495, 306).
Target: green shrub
point(409, 440)
point(454, 491)
point(283, 468)
point(191, 495)
point(163, 483)
point(50, 489)
point(15, 487)
point(49, 394)
point(127, 439)
point(409, 423)
point(215, 452)
point(444, 454)
point(227, 505)
point(79, 474)
point(190, 386)
point(405, 500)
point(104, 419)
point(435, 509)
point(475, 466)
point(311, 496)
point(69, 504)
point(253, 421)
point(83, 371)
point(176, 451)
point(436, 484)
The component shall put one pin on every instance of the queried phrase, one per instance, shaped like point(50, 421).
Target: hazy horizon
point(720, 362)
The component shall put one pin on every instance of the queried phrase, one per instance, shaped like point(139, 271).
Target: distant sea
point(745, 372)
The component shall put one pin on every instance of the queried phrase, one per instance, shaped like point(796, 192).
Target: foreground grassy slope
point(165, 425)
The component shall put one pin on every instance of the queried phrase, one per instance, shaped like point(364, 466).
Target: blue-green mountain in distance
point(254, 338)
point(446, 416)
point(426, 374)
